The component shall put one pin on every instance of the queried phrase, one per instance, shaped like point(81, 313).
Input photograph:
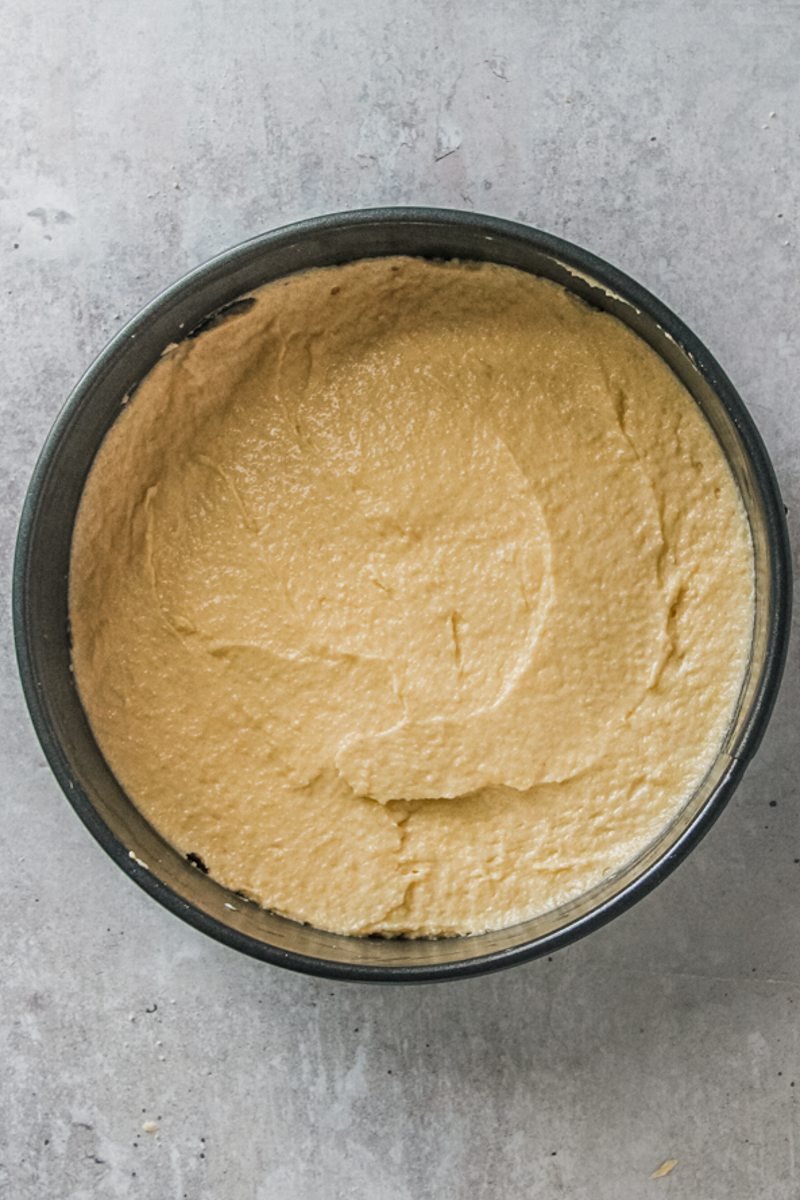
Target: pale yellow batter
point(415, 599)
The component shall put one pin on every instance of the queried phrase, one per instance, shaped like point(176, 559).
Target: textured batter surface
point(415, 600)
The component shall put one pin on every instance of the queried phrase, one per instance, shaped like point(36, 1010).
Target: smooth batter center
point(414, 599)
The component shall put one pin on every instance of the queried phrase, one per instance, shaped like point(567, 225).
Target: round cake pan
point(42, 563)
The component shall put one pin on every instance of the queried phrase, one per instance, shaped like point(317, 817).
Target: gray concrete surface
point(136, 140)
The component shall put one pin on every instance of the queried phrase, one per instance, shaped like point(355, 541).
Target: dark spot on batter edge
point(235, 309)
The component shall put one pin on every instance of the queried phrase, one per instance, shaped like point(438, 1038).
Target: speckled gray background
point(136, 140)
